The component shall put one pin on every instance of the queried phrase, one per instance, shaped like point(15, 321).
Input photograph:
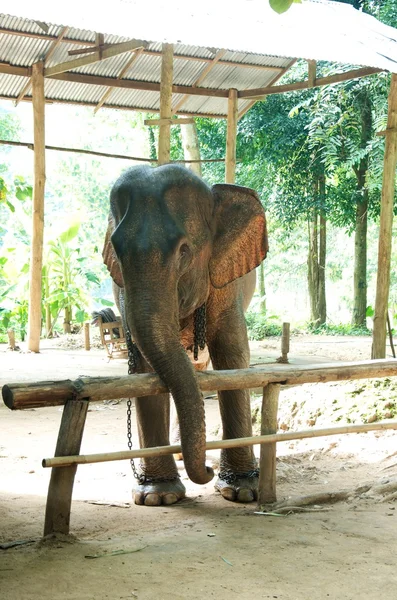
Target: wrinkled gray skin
point(172, 245)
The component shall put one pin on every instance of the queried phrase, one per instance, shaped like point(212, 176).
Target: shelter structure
point(184, 61)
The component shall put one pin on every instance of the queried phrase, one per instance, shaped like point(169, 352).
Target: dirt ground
point(203, 547)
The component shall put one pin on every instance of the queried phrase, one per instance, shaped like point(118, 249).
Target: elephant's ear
point(240, 237)
point(109, 256)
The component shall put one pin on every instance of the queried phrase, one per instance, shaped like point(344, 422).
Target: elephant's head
point(171, 239)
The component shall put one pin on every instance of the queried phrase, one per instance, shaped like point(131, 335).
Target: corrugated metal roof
point(251, 35)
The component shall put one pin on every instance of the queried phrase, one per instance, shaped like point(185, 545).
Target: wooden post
point(36, 254)
point(87, 344)
point(284, 344)
point(165, 103)
point(11, 339)
point(267, 464)
point(385, 227)
point(60, 489)
point(232, 118)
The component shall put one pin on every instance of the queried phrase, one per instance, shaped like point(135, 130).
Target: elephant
point(178, 250)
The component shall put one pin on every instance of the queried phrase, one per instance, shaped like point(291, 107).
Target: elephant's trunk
point(157, 336)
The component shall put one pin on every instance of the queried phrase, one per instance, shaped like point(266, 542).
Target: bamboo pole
point(19, 396)
point(267, 463)
point(36, 255)
point(385, 227)
point(165, 103)
point(231, 139)
point(82, 459)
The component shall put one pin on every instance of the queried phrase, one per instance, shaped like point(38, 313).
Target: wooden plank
point(231, 137)
point(267, 461)
point(19, 396)
point(167, 70)
point(36, 252)
point(8, 69)
point(60, 489)
point(123, 72)
point(303, 85)
point(134, 84)
point(201, 78)
point(385, 227)
point(312, 71)
point(114, 50)
point(171, 121)
point(48, 55)
point(81, 459)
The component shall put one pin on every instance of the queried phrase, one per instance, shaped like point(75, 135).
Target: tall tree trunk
point(360, 240)
point(317, 259)
point(191, 148)
point(262, 289)
point(68, 320)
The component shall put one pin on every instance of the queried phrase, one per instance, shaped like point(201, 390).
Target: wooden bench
point(113, 338)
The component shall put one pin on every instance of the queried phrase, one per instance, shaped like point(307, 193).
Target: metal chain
point(199, 330)
point(229, 476)
point(132, 366)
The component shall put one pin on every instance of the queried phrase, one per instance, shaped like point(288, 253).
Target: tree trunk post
point(267, 464)
point(11, 339)
point(231, 138)
point(36, 254)
point(60, 489)
point(165, 104)
point(87, 344)
point(385, 226)
point(191, 148)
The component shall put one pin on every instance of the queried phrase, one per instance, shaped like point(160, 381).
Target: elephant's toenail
point(139, 499)
point(245, 496)
point(152, 500)
point(228, 493)
point(170, 499)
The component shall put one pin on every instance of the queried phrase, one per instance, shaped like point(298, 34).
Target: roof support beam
point(50, 52)
point(231, 137)
point(133, 84)
point(167, 71)
point(385, 227)
point(109, 52)
point(260, 93)
point(201, 78)
point(36, 254)
point(123, 72)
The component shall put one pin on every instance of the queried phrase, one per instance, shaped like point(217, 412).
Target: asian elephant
point(175, 245)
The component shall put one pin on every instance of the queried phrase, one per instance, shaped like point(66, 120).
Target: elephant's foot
point(238, 487)
point(157, 493)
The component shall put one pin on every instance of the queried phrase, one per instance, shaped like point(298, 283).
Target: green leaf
point(104, 302)
point(369, 312)
point(81, 316)
point(70, 233)
point(92, 277)
point(280, 6)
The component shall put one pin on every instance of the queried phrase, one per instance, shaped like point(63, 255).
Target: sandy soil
point(204, 547)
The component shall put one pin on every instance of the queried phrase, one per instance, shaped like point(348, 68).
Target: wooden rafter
point(201, 77)
point(113, 50)
point(273, 81)
point(47, 57)
point(91, 47)
point(123, 72)
point(134, 84)
point(260, 93)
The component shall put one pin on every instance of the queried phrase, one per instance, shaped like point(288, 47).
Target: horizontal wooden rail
point(81, 459)
point(18, 396)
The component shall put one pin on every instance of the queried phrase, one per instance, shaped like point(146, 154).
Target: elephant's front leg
point(160, 480)
point(238, 475)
